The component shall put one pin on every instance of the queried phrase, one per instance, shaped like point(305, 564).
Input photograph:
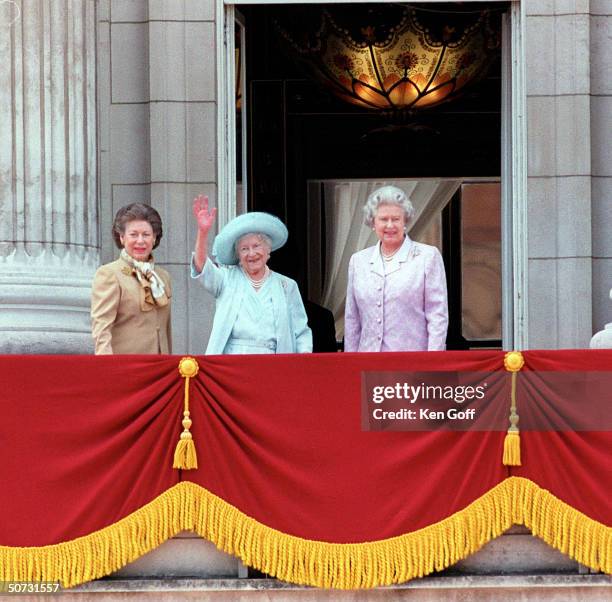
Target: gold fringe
point(562, 527)
point(187, 506)
point(512, 449)
point(101, 552)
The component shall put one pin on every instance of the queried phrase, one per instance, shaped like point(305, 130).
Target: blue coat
point(229, 284)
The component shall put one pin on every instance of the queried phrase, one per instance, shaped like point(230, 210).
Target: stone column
point(48, 218)
point(559, 174)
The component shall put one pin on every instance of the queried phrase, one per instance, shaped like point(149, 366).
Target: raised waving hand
point(205, 218)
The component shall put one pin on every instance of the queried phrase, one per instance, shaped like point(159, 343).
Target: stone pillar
point(48, 222)
point(559, 174)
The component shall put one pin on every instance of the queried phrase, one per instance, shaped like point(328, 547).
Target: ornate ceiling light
point(393, 57)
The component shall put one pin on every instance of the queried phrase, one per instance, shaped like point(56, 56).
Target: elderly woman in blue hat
point(258, 310)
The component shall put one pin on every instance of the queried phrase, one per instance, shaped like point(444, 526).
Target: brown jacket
point(121, 322)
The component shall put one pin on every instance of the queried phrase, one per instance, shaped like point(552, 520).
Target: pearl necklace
point(257, 284)
point(390, 256)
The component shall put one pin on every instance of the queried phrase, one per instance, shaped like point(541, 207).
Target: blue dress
point(254, 330)
point(274, 322)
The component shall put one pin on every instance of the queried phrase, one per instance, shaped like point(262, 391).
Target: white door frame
point(513, 140)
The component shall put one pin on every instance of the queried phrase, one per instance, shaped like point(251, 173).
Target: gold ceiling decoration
point(395, 58)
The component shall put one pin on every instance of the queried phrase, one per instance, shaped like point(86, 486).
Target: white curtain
point(346, 233)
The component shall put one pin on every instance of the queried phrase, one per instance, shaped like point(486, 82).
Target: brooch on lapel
point(127, 271)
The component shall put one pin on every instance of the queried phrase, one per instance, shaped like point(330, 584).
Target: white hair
point(387, 195)
point(264, 238)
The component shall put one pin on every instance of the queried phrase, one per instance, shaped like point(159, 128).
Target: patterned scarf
point(154, 289)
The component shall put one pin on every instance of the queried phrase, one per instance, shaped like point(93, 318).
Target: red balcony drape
point(287, 479)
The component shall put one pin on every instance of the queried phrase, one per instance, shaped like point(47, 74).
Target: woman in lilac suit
point(396, 298)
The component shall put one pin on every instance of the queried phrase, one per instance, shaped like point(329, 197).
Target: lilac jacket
point(405, 309)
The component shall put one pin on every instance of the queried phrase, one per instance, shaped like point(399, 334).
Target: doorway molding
point(513, 141)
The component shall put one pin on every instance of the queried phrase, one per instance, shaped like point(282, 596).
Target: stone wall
point(157, 112)
point(559, 173)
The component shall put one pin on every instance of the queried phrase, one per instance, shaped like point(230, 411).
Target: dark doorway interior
point(299, 131)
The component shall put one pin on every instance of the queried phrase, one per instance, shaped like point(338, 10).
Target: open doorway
point(300, 135)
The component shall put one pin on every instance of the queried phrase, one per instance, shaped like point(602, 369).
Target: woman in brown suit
point(130, 297)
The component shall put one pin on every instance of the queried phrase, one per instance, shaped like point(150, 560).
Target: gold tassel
point(512, 449)
point(513, 362)
point(185, 455)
